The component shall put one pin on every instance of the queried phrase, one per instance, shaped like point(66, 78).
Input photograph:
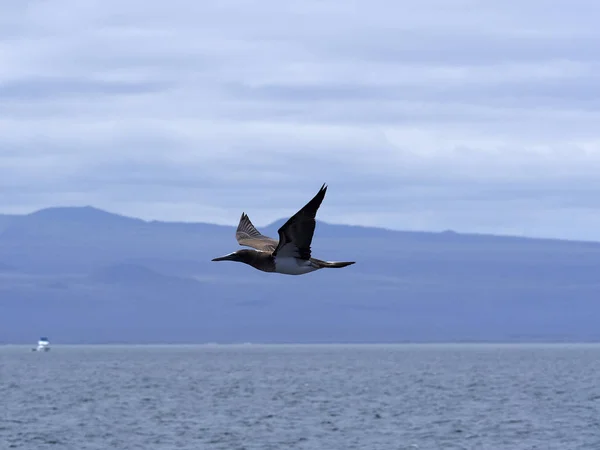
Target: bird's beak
point(230, 257)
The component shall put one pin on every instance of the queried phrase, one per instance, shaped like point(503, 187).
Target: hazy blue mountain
point(6, 267)
point(86, 275)
point(5, 220)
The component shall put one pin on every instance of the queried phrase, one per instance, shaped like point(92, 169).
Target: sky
point(475, 116)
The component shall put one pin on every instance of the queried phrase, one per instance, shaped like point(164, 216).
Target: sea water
point(324, 397)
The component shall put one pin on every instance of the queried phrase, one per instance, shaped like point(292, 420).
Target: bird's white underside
point(293, 266)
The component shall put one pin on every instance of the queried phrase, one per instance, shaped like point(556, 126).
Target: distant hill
point(6, 267)
point(81, 274)
point(6, 220)
point(128, 274)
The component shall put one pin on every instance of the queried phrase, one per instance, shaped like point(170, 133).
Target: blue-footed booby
point(291, 255)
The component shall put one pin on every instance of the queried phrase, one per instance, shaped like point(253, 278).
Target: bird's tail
point(331, 264)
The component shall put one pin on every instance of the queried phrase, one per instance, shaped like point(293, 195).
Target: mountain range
point(84, 275)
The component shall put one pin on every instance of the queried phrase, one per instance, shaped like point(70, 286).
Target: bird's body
point(294, 266)
point(291, 255)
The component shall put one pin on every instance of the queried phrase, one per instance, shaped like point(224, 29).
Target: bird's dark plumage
point(295, 236)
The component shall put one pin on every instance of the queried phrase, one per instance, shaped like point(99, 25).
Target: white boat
point(43, 345)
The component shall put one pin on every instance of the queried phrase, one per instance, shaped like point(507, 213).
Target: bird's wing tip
point(243, 219)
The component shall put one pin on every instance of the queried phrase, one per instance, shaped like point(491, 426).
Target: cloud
point(467, 115)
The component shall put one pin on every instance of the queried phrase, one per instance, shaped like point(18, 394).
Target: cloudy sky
point(433, 114)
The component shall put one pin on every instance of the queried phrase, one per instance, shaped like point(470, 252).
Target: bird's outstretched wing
point(295, 236)
point(247, 234)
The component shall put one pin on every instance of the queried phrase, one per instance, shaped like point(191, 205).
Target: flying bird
point(291, 255)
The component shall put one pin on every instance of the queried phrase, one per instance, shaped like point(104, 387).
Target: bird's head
point(240, 256)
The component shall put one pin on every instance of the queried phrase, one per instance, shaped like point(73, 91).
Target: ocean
point(325, 397)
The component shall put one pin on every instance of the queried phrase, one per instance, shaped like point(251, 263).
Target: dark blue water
point(479, 397)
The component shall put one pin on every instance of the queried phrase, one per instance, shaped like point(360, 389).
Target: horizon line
point(372, 227)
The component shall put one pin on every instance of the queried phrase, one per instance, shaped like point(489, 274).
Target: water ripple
point(305, 397)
